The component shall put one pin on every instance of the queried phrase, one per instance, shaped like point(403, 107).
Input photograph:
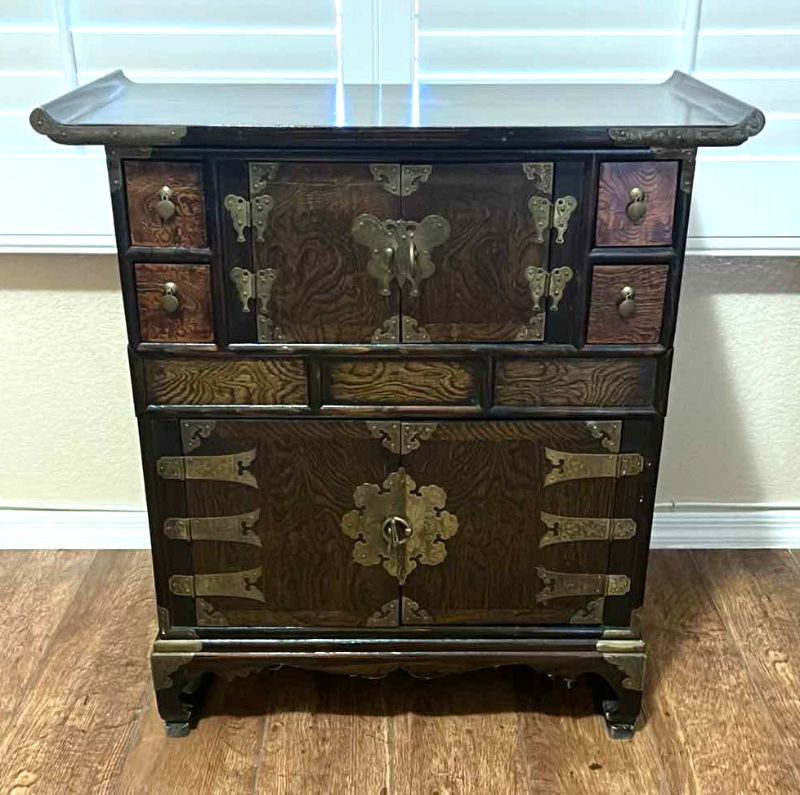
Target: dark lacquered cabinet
point(400, 387)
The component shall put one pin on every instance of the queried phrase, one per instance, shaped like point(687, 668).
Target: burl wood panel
point(307, 472)
point(492, 473)
point(658, 180)
point(322, 291)
point(192, 321)
point(187, 227)
point(605, 323)
point(401, 382)
point(575, 382)
point(478, 292)
point(268, 382)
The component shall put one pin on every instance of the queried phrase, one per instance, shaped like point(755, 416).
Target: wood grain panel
point(401, 382)
point(192, 321)
point(307, 472)
point(478, 292)
point(575, 382)
point(658, 180)
point(492, 474)
point(605, 323)
point(322, 291)
point(268, 382)
point(187, 227)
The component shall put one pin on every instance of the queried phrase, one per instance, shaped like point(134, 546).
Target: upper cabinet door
point(478, 269)
point(304, 259)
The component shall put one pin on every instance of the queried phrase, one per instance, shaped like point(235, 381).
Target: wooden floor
point(722, 702)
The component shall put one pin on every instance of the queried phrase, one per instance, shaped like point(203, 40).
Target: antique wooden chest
point(400, 359)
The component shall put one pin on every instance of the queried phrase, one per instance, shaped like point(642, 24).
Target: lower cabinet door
point(264, 500)
point(532, 522)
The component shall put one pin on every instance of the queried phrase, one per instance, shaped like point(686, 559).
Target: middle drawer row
point(478, 383)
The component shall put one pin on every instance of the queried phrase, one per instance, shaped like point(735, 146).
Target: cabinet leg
point(620, 693)
point(621, 715)
point(179, 693)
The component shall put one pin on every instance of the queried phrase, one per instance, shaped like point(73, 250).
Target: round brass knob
point(165, 207)
point(396, 531)
point(169, 300)
point(627, 306)
point(637, 208)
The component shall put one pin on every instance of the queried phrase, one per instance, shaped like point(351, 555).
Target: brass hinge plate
point(236, 584)
point(541, 284)
point(400, 180)
point(576, 466)
point(568, 529)
point(232, 468)
point(564, 584)
point(402, 438)
point(235, 529)
point(551, 215)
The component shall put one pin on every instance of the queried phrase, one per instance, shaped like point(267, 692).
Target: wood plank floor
point(77, 713)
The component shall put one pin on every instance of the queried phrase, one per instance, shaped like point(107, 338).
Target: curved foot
point(177, 729)
point(179, 693)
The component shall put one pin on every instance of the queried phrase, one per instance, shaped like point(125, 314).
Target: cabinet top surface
point(681, 112)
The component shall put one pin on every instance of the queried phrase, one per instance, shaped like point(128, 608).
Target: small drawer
point(627, 304)
point(636, 203)
point(400, 382)
point(166, 204)
point(573, 382)
point(174, 302)
point(225, 382)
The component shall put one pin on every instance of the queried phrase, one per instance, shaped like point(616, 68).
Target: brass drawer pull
point(637, 208)
point(396, 531)
point(169, 300)
point(165, 207)
point(627, 306)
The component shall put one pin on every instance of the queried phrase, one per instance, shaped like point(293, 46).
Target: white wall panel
point(747, 13)
point(27, 12)
point(29, 50)
point(741, 53)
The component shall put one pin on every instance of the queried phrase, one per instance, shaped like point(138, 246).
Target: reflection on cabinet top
point(680, 112)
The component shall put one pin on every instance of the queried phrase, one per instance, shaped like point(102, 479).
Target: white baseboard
point(672, 529)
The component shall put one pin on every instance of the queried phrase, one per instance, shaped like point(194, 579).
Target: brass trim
point(411, 177)
point(261, 173)
point(412, 332)
point(556, 215)
point(568, 529)
point(412, 608)
point(236, 584)
point(164, 619)
point(388, 175)
point(245, 283)
point(380, 510)
point(609, 433)
point(632, 665)
point(542, 283)
point(232, 468)
point(177, 645)
point(577, 466)
point(239, 211)
point(194, 431)
point(387, 615)
point(558, 278)
point(389, 434)
point(413, 434)
point(541, 174)
point(207, 615)
point(590, 613)
point(687, 159)
point(236, 529)
point(540, 209)
point(563, 208)
point(622, 645)
point(390, 331)
point(565, 584)
point(164, 666)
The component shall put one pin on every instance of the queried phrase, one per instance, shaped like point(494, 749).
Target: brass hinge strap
point(575, 466)
point(564, 584)
point(237, 584)
point(543, 283)
point(234, 529)
point(567, 529)
point(555, 215)
point(232, 468)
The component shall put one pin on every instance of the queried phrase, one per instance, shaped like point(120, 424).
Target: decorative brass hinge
point(576, 466)
point(555, 215)
point(563, 584)
point(541, 284)
point(402, 437)
point(238, 584)
point(566, 529)
point(400, 180)
point(235, 529)
point(232, 468)
point(398, 525)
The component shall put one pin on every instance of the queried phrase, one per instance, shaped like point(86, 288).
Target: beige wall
point(68, 435)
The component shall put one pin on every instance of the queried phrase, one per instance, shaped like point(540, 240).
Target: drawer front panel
point(575, 382)
point(619, 222)
point(401, 382)
point(166, 204)
point(190, 317)
point(637, 320)
point(195, 381)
